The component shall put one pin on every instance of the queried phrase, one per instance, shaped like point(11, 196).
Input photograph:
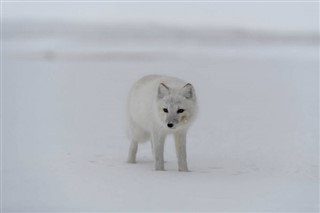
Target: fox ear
point(163, 90)
point(187, 91)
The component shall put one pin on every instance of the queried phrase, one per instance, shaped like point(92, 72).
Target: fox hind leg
point(133, 152)
point(137, 135)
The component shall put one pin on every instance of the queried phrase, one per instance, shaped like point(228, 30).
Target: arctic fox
point(158, 106)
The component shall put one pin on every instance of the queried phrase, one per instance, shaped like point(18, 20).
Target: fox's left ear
point(163, 90)
point(188, 91)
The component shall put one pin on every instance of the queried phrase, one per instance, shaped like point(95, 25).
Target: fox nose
point(170, 125)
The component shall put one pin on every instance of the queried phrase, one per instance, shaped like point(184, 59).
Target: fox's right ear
point(188, 91)
point(163, 90)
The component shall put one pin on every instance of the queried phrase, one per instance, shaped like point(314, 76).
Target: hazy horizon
point(261, 16)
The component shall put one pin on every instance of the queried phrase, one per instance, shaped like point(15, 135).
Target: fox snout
point(172, 123)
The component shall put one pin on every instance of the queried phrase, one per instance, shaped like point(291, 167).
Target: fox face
point(176, 107)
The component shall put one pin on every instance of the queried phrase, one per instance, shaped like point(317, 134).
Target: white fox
point(158, 106)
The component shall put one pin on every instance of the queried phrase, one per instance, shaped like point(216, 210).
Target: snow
point(253, 148)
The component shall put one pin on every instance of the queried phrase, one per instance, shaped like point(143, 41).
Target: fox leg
point(133, 152)
point(181, 150)
point(158, 149)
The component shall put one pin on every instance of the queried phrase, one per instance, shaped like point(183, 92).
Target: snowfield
point(253, 148)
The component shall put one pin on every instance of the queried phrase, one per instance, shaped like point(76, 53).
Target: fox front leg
point(181, 150)
point(158, 149)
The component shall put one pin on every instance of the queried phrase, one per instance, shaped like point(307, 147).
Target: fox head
point(176, 107)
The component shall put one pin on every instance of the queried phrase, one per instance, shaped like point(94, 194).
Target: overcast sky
point(279, 16)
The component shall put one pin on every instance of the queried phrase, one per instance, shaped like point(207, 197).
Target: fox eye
point(180, 111)
point(165, 110)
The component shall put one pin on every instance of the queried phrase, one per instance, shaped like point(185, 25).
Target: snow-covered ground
point(254, 146)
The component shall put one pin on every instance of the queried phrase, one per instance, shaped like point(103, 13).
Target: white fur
point(147, 120)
